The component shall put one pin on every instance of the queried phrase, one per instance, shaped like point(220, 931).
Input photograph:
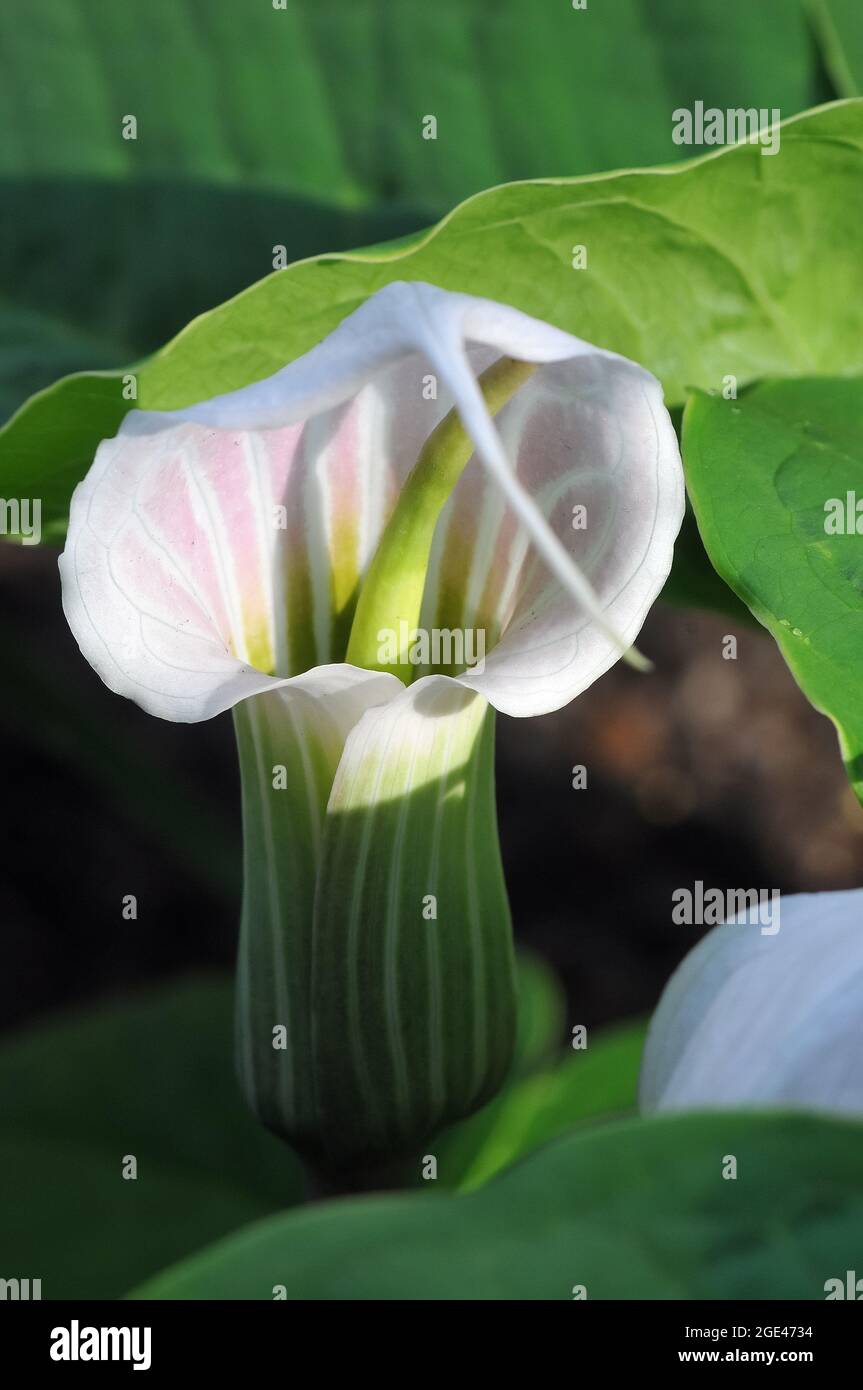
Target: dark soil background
point(708, 768)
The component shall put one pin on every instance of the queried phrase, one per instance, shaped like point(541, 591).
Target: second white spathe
point(754, 1020)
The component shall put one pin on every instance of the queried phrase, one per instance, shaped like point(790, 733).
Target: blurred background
point(262, 125)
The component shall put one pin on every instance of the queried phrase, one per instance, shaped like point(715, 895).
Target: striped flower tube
point(326, 553)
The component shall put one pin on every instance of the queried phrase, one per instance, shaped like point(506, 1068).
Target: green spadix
point(391, 597)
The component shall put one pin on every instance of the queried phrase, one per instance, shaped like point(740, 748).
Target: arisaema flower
point(750, 1019)
point(443, 509)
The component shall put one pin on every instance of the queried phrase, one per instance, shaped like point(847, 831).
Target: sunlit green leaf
point(691, 295)
point(771, 475)
point(581, 1087)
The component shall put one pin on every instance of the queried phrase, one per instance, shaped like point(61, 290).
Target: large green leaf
point(98, 272)
point(153, 1078)
point(636, 1210)
point(256, 96)
point(693, 582)
point(721, 265)
point(303, 127)
point(760, 472)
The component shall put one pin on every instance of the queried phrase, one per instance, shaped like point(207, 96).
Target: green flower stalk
point(321, 552)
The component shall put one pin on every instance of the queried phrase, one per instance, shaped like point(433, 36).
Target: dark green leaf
point(152, 1078)
point(839, 27)
point(303, 128)
point(636, 1210)
point(327, 100)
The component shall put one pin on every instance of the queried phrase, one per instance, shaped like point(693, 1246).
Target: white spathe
point(754, 1020)
point(212, 550)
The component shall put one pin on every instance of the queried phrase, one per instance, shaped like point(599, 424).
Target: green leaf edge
point(404, 247)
